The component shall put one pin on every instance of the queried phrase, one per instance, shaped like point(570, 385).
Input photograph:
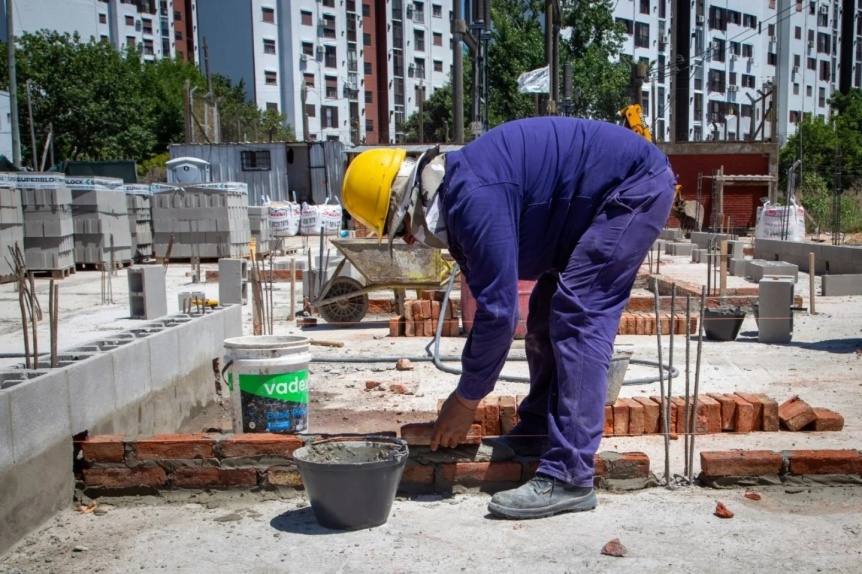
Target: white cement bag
point(327, 216)
point(284, 218)
point(780, 222)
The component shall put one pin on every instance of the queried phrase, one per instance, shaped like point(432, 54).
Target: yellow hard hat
point(368, 186)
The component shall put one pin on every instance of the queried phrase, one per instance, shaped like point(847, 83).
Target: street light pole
point(13, 85)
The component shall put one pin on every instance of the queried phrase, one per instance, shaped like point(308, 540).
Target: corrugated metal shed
point(226, 165)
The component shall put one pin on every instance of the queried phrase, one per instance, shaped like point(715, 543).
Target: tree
point(163, 85)
point(274, 124)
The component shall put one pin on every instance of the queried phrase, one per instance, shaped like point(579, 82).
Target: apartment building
point(157, 29)
point(347, 70)
point(718, 68)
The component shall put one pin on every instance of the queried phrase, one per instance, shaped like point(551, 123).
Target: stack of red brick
point(421, 317)
point(715, 413)
point(644, 323)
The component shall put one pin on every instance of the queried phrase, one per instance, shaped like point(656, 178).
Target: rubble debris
point(722, 511)
point(403, 365)
point(614, 548)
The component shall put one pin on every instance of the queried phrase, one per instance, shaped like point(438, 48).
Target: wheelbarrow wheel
point(347, 312)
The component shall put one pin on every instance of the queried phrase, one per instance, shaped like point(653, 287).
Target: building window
point(331, 87)
point(366, 11)
point(645, 6)
point(369, 125)
point(821, 97)
point(734, 48)
point(255, 160)
point(366, 68)
point(268, 46)
point(148, 47)
point(717, 18)
point(308, 79)
point(311, 110)
point(104, 39)
point(268, 14)
point(419, 72)
point(716, 80)
point(178, 35)
point(438, 65)
point(366, 39)
point(419, 40)
point(718, 50)
point(808, 91)
point(641, 35)
point(437, 10)
point(824, 71)
point(328, 26)
point(746, 110)
point(272, 106)
point(812, 64)
point(177, 16)
point(306, 18)
point(369, 97)
point(270, 77)
point(131, 43)
point(749, 21)
point(308, 49)
point(438, 39)
point(747, 51)
point(329, 3)
point(797, 33)
point(626, 25)
point(130, 20)
point(823, 43)
point(662, 63)
point(330, 58)
point(734, 17)
point(329, 116)
point(147, 28)
point(103, 18)
point(795, 89)
point(698, 106)
point(747, 81)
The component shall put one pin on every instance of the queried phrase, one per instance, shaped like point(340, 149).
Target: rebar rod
point(696, 384)
point(55, 327)
point(687, 375)
point(665, 400)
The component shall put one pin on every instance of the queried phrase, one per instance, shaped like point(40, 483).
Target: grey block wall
point(671, 234)
point(678, 248)
point(703, 238)
point(140, 222)
point(832, 259)
point(212, 223)
point(834, 285)
point(11, 226)
point(142, 382)
point(148, 298)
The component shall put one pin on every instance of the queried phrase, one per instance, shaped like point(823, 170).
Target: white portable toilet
point(188, 170)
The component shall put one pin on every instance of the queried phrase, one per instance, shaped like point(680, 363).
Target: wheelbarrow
point(344, 300)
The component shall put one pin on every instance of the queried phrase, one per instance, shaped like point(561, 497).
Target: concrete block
point(39, 411)
point(131, 372)
point(147, 292)
point(165, 359)
point(698, 255)
point(760, 269)
point(834, 285)
point(737, 267)
point(92, 396)
point(683, 249)
point(735, 249)
point(7, 454)
point(671, 234)
point(775, 319)
point(232, 317)
point(232, 282)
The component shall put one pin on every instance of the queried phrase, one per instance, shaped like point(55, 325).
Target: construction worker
point(575, 204)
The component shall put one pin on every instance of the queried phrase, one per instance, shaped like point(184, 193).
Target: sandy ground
point(808, 530)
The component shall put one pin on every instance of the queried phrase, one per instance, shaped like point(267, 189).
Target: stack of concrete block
point(684, 249)
point(138, 202)
point(101, 218)
point(48, 227)
point(671, 234)
point(738, 267)
point(11, 222)
point(207, 220)
point(259, 224)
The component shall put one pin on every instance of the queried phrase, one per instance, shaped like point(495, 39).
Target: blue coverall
point(575, 204)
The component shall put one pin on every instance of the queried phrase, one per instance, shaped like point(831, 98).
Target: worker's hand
point(456, 417)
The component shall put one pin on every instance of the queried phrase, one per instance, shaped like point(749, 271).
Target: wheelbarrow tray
point(407, 265)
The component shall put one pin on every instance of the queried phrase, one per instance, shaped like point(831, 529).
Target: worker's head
point(374, 184)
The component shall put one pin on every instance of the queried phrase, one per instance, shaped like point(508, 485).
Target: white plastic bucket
point(268, 381)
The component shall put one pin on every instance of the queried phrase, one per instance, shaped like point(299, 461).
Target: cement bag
point(330, 216)
point(284, 218)
point(780, 222)
point(327, 216)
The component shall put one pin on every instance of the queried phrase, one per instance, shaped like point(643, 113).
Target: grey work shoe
point(542, 496)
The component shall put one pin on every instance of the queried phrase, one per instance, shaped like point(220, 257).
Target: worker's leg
point(533, 411)
point(585, 313)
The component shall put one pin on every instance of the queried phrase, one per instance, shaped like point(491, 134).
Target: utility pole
point(13, 84)
point(457, 72)
point(207, 67)
point(187, 108)
point(32, 129)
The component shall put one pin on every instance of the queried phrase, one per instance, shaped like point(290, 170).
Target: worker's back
point(549, 176)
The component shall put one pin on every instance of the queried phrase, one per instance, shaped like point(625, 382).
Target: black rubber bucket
point(722, 323)
point(351, 481)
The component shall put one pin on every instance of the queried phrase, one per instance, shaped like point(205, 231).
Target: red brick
point(825, 462)
point(744, 416)
point(169, 446)
point(379, 306)
point(508, 413)
point(678, 404)
point(640, 323)
point(409, 324)
point(665, 323)
point(636, 417)
point(476, 473)
point(609, 421)
point(256, 444)
point(418, 474)
point(213, 477)
point(674, 416)
point(794, 414)
point(651, 414)
point(768, 417)
point(626, 465)
point(283, 476)
point(740, 463)
point(757, 403)
point(710, 410)
point(728, 410)
point(621, 418)
point(491, 425)
point(424, 309)
point(122, 477)
point(104, 448)
point(826, 421)
point(601, 469)
point(419, 434)
point(435, 309)
point(454, 327)
point(396, 326)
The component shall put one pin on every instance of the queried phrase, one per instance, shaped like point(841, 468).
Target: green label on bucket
point(286, 387)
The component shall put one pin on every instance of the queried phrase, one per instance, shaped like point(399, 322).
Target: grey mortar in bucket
point(351, 482)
